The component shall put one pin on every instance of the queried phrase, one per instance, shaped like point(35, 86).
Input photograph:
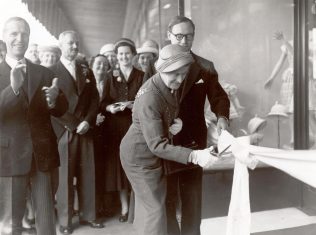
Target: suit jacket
point(82, 96)
point(201, 82)
point(25, 126)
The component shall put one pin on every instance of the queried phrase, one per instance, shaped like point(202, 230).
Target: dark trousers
point(76, 160)
point(13, 194)
point(186, 186)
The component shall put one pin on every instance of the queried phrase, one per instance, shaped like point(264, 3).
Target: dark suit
point(142, 150)
point(201, 82)
point(28, 147)
point(76, 151)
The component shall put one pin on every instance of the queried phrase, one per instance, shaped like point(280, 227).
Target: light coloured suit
point(76, 151)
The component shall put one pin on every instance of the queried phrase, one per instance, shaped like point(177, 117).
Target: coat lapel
point(4, 75)
point(191, 78)
point(81, 78)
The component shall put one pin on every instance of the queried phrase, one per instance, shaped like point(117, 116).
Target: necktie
point(25, 83)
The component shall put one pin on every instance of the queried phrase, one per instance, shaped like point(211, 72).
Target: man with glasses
point(201, 81)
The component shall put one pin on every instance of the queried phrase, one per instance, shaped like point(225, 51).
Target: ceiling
point(97, 21)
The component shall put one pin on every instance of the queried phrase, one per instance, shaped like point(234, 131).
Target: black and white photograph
point(158, 117)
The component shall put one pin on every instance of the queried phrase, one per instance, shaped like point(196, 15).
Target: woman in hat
point(99, 65)
point(49, 55)
point(149, 139)
point(147, 55)
point(120, 93)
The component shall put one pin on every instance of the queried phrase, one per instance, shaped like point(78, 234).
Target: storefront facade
point(265, 55)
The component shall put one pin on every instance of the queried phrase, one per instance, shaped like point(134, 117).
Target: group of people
point(129, 120)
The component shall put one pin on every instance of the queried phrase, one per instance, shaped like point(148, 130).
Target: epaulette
point(142, 91)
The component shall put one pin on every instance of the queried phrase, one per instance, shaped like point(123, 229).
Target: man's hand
point(176, 127)
point(83, 127)
point(17, 77)
point(222, 124)
point(51, 93)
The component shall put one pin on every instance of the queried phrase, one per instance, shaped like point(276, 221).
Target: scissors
point(220, 153)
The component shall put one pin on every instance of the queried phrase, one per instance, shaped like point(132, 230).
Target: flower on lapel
point(87, 80)
point(116, 73)
point(119, 79)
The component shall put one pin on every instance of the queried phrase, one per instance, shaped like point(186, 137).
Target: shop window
point(249, 42)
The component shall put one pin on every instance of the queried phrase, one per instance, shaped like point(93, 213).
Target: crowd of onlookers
point(123, 61)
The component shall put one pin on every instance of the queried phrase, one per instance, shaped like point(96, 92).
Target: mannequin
point(286, 91)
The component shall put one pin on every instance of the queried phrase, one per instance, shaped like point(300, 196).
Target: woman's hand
point(278, 35)
point(100, 119)
point(176, 127)
point(114, 108)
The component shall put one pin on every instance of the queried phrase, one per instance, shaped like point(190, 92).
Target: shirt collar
point(66, 62)
point(12, 62)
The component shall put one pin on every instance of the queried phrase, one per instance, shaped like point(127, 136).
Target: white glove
point(203, 157)
point(176, 127)
point(83, 127)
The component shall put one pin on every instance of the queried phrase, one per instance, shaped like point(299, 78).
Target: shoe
point(123, 218)
point(29, 231)
point(92, 224)
point(65, 230)
point(30, 222)
point(75, 213)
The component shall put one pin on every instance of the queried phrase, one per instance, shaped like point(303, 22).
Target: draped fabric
point(301, 164)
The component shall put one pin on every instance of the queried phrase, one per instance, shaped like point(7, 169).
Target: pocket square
point(199, 81)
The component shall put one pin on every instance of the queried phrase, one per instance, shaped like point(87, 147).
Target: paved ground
point(112, 227)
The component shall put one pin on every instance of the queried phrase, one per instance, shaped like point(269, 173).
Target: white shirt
point(13, 62)
point(100, 86)
point(70, 66)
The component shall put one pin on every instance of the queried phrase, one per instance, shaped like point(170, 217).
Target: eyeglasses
point(180, 36)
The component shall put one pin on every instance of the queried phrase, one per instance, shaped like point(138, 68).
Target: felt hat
point(278, 110)
point(50, 48)
point(149, 46)
point(125, 42)
point(107, 48)
point(173, 57)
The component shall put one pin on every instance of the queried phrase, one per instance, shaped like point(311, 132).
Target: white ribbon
point(301, 164)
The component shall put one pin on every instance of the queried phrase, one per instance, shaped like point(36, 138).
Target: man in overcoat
point(75, 136)
point(28, 144)
point(201, 83)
